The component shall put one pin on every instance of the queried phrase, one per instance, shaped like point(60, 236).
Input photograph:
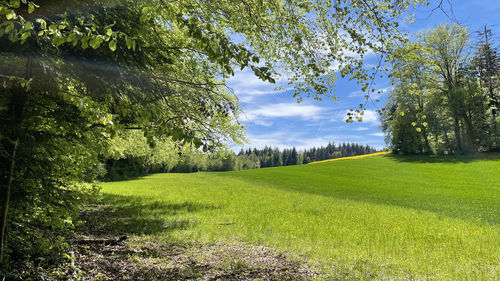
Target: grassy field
point(381, 217)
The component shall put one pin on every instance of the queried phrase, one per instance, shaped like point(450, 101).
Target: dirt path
point(101, 253)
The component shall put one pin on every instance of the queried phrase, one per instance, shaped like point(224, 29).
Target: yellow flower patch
point(353, 157)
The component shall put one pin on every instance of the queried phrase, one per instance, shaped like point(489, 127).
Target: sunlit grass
point(371, 218)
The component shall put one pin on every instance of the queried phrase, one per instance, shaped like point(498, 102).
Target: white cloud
point(303, 111)
point(264, 123)
point(371, 116)
point(357, 93)
point(285, 139)
point(384, 90)
point(247, 86)
point(277, 139)
point(362, 129)
point(379, 134)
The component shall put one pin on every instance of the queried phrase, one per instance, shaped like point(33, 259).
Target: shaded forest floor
point(102, 252)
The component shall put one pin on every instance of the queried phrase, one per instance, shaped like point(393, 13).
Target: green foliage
point(53, 159)
point(130, 156)
point(40, 225)
point(411, 217)
point(438, 104)
point(269, 157)
point(330, 36)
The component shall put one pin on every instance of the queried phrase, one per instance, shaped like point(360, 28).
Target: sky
point(274, 118)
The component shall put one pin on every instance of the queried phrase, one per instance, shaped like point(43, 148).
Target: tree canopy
point(445, 94)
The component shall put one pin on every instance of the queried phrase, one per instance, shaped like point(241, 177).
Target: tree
point(294, 157)
point(486, 62)
point(437, 104)
point(130, 155)
point(406, 114)
point(446, 46)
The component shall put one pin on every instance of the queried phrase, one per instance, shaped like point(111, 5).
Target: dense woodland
point(446, 95)
point(130, 156)
point(75, 75)
point(273, 157)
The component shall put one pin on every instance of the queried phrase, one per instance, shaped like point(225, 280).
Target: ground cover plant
point(383, 217)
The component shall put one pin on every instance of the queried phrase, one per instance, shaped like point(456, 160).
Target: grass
point(383, 217)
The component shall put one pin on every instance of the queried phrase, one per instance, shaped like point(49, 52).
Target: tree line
point(274, 157)
point(446, 93)
point(130, 156)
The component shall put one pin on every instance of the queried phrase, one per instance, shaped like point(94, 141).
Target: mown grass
point(385, 217)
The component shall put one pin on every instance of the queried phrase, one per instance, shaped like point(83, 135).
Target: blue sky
point(276, 119)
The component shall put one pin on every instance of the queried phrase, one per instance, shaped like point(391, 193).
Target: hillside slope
point(373, 218)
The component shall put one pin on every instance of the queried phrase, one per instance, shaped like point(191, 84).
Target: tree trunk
point(6, 198)
point(12, 138)
point(456, 128)
point(470, 138)
point(495, 133)
point(445, 134)
point(426, 141)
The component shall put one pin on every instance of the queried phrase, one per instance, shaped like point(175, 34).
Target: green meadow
point(387, 217)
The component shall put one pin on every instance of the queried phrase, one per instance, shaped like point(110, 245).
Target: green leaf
point(96, 42)
point(31, 8)
point(9, 27)
point(72, 38)
point(25, 35)
point(43, 24)
point(112, 45)
point(10, 15)
point(109, 32)
point(58, 40)
point(85, 42)
point(53, 28)
point(28, 26)
point(15, 3)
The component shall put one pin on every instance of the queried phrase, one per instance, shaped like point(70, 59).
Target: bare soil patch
point(171, 261)
point(100, 252)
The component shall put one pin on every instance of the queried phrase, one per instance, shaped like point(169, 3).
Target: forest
point(446, 93)
point(131, 156)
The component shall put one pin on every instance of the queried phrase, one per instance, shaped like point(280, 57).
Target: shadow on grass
point(469, 195)
point(121, 215)
point(467, 158)
point(103, 256)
